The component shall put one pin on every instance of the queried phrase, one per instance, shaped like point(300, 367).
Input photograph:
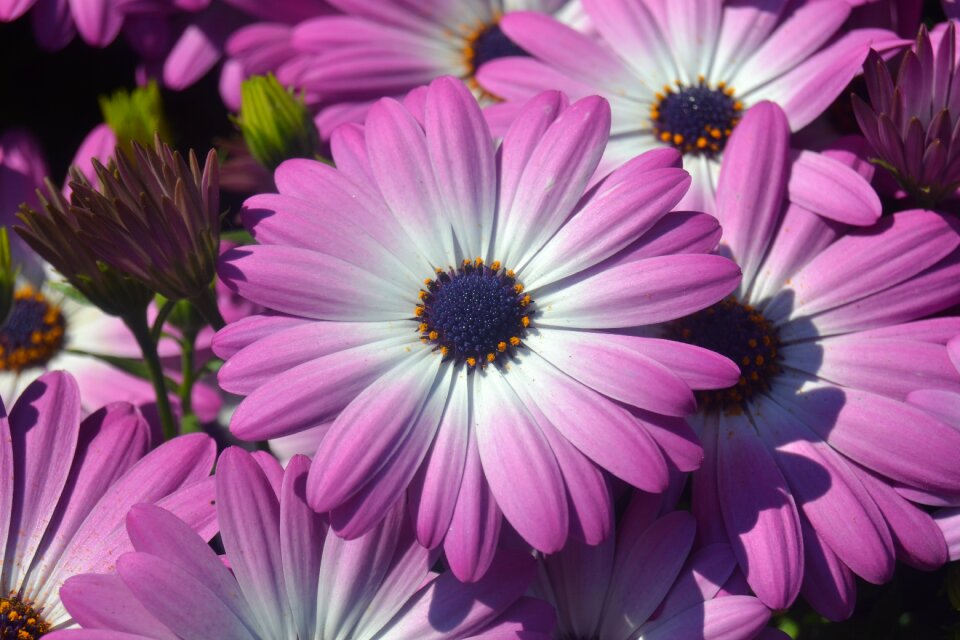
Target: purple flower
point(290, 578)
point(22, 170)
point(56, 22)
point(648, 582)
point(911, 122)
point(66, 486)
point(681, 73)
point(944, 404)
point(385, 48)
point(458, 319)
point(805, 455)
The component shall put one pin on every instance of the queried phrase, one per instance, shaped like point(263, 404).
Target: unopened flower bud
point(275, 123)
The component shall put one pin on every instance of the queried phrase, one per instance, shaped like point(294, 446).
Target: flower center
point(695, 119)
point(19, 620)
point(475, 313)
point(33, 334)
point(487, 43)
point(741, 333)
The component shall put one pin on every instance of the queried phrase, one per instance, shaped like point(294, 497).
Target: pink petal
point(759, 513)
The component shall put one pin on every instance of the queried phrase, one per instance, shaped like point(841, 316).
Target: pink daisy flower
point(681, 73)
point(66, 486)
point(387, 48)
point(945, 405)
point(458, 318)
point(648, 582)
point(290, 578)
point(806, 455)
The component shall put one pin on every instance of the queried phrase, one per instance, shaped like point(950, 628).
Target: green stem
point(162, 315)
point(138, 325)
point(207, 306)
point(187, 349)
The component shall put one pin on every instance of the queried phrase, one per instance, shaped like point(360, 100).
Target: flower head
point(463, 326)
point(648, 581)
point(808, 455)
point(681, 73)
point(911, 121)
point(67, 486)
point(154, 217)
point(290, 578)
point(347, 62)
point(53, 231)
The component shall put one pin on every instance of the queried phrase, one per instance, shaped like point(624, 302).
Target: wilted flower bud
point(135, 116)
point(911, 119)
point(54, 232)
point(276, 124)
point(155, 218)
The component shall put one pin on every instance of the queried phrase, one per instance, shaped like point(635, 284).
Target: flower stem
point(162, 315)
point(189, 423)
point(138, 325)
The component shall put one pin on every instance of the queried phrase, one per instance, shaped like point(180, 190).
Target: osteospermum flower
point(410, 283)
point(911, 121)
point(682, 73)
point(65, 488)
point(805, 455)
point(648, 582)
point(945, 405)
point(291, 579)
point(388, 48)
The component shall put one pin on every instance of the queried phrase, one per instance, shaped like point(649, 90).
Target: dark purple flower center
point(489, 44)
point(33, 334)
point(695, 119)
point(475, 313)
point(741, 333)
point(19, 620)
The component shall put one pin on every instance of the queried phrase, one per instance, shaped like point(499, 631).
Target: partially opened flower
point(410, 286)
point(289, 578)
point(911, 121)
point(945, 405)
point(648, 582)
point(682, 73)
point(390, 47)
point(65, 488)
point(805, 455)
point(155, 217)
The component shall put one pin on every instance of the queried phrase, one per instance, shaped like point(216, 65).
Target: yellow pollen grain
point(759, 360)
point(427, 281)
point(677, 138)
point(444, 351)
point(525, 321)
point(511, 273)
point(491, 357)
point(495, 265)
point(701, 142)
point(514, 341)
point(752, 343)
point(746, 361)
point(472, 362)
point(421, 294)
point(525, 300)
point(433, 335)
point(478, 261)
point(418, 311)
point(422, 327)
point(517, 288)
point(501, 346)
point(665, 136)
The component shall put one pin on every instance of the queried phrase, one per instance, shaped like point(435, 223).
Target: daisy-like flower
point(648, 582)
point(911, 121)
point(806, 456)
point(65, 488)
point(682, 73)
point(410, 282)
point(390, 47)
point(289, 578)
point(945, 405)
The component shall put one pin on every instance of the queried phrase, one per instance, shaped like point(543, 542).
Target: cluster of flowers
point(586, 324)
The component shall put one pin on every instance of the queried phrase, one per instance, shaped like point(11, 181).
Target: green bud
point(275, 123)
point(135, 116)
point(8, 277)
point(183, 315)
